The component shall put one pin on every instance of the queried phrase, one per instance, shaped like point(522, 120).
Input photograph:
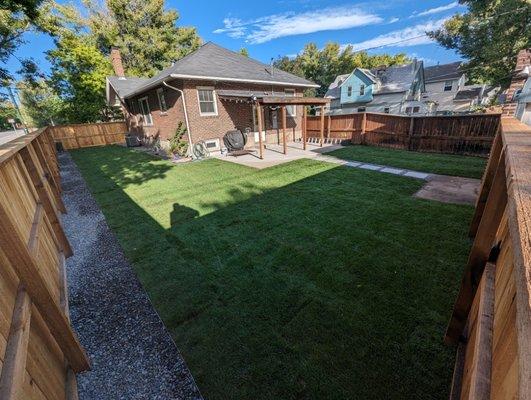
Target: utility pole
point(14, 101)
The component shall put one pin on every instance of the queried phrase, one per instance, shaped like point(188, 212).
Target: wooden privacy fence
point(77, 136)
point(491, 320)
point(464, 134)
point(39, 351)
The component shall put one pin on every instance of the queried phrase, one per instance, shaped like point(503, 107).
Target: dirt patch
point(450, 189)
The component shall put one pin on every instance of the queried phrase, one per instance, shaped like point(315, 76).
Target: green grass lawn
point(445, 164)
point(302, 281)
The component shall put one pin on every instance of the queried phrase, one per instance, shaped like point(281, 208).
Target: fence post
point(410, 132)
point(363, 128)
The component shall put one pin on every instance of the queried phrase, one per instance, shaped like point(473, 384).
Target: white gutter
point(218, 78)
point(185, 115)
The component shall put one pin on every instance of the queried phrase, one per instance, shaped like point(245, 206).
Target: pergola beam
point(294, 101)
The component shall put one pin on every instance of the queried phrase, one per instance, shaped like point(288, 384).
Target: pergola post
point(259, 114)
point(322, 125)
point(304, 125)
point(284, 130)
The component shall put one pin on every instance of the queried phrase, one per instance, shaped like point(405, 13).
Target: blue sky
point(282, 27)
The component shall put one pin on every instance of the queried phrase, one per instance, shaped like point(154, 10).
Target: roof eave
point(223, 79)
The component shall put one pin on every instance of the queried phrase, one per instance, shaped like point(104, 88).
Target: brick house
point(517, 97)
point(212, 91)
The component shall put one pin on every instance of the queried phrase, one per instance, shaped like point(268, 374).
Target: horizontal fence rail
point(465, 134)
point(39, 351)
point(491, 320)
point(77, 136)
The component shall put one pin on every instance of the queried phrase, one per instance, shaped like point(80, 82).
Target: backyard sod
point(306, 280)
point(443, 164)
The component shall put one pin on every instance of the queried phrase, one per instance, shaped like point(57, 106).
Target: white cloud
point(437, 10)
point(233, 27)
point(393, 20)
point(410, 36)
point(265, 29)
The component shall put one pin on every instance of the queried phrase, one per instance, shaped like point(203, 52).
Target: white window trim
point(146, 98)
point(160, 92)
point(293, 107)
point(214, 98)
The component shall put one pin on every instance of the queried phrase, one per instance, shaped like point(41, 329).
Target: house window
point(448, 85)
point(362, 89)
point(143, 104)
point(387, 110)
point(162, 100)
point(416, 110)
point(291, 110)
point(361, 109)
point(349, 91)
point(207, 101)
point(408, 110)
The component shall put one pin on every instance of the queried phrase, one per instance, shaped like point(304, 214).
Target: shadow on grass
point(302, 281)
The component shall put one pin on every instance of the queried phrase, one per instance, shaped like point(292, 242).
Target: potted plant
point(178, 143)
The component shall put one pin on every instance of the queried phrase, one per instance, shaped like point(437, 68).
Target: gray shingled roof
point(213, 61)
point(395, 79)
point(469, 93)
point(125, 85)
point(443, 72)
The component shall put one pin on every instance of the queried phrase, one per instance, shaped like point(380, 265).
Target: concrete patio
point(273, 154)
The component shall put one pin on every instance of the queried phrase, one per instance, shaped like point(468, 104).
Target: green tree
point(145, 32)
point(7, 111)
point(40, 104)
point(16, 18)
point(490, 35)
point(323, 65)
point(244, 52)
point(78, 76)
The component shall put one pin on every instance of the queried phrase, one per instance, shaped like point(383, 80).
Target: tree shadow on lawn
point(335, 286)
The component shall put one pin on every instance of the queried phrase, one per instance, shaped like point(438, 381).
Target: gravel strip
point(132, 354)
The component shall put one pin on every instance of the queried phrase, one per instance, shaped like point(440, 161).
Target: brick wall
point(231, 115)
point(523, 60)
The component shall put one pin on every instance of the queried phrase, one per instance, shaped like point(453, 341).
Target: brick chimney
point(116, 60)
point(523, 60)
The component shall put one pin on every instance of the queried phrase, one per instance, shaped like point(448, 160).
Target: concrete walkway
point(132, 354)
point(447, 189)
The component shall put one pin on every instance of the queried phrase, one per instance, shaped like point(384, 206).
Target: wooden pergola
point(283, 102)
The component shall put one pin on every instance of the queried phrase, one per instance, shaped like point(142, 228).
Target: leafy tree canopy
point(323, 65)
point(145, 32)
point(7, 111)
point(41, 105)
point(490, 35)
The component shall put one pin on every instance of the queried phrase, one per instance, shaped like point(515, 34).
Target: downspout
point(185, 116)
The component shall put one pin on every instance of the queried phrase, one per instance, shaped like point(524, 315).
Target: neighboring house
point(211, 91)
point(447, 92)
point(396, 90)
point(518, 95)
point(523, 108)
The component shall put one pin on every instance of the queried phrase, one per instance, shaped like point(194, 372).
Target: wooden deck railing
point(464, 134)
point(491, 321)
point(39, 351)
point(77, 136)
